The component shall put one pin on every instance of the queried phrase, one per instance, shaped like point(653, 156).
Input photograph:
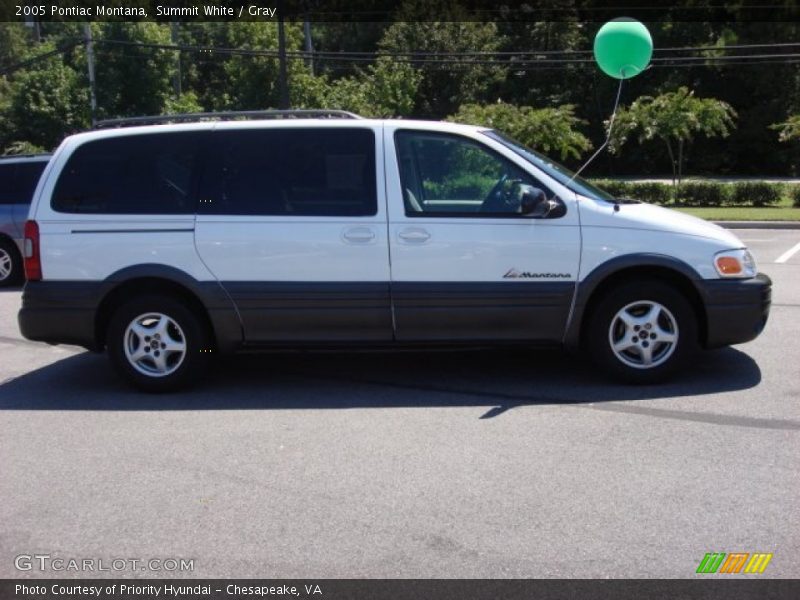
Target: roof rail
point(32, 155)
point(228, 116)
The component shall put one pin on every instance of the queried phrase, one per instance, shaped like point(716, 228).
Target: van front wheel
point(642, 332)
point(157, 343)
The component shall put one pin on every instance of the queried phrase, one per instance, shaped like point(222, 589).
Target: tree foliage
point(544, 87)
point(674, 118)
point(40, 105)
point(443, 86)
point(416, 68)
point(187, 102)
point(226, 81)
point(131, 80)
point(257, 76)
point(549, 130)
point(22, 148)
point(14, 43)
point(384, 89)
point(789, 129)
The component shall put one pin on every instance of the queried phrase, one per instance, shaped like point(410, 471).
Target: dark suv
point(18, 178)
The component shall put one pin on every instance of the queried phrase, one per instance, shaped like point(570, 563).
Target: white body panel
point(301, 248)
point(298, 249)
point(67, 254)
point(477, 249)
point(240, 248)
point(644, 228)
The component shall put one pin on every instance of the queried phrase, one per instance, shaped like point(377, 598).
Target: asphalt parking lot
point(508, 463)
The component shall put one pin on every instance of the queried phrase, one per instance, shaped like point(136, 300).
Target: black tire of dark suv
point(10, 253)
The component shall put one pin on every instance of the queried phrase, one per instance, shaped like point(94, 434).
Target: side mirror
point(532, 201)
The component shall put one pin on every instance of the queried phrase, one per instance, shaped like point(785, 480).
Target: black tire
point(191, 330)
point(638, 297)
point(16, 275)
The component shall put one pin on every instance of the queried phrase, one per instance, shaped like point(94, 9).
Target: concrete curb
point(759, 224)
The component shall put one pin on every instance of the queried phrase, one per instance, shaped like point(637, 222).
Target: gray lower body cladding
point(332, 313)
point(292, 314)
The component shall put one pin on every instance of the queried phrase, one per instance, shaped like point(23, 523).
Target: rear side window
point(136, 174)
point(293, 172)
point(18, 181)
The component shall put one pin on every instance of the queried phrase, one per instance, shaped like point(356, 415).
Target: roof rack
point(228, 116)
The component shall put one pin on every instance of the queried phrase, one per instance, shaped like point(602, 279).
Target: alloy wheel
point(643, 334)
point(6, 264)
point(154, 344)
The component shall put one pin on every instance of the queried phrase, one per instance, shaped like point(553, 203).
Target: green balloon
point(623, 48)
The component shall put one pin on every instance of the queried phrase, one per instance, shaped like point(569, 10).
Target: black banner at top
point(391, 10)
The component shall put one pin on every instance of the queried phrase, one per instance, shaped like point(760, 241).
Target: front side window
point(449, 175)
point(292, 172)
point(133, 174)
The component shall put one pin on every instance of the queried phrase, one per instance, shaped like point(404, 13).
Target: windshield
point(558, 172)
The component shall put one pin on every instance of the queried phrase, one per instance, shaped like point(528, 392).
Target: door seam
point(388, 232)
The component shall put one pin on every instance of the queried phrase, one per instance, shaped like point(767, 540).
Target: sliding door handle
point(414, 235)
point(359, 235)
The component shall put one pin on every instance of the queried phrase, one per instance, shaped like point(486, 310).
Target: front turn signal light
point(728, 265)
point(735, 263)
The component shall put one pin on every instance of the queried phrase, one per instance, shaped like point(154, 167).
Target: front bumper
point(736, 309)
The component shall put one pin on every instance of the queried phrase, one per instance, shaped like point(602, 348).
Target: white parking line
point(788, 254)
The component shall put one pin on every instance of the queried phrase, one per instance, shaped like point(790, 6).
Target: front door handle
point(414, 235)
point(359, 235)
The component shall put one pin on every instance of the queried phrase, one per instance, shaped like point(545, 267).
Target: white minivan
point(166, 243)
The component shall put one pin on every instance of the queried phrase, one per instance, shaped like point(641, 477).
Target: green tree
point(385, 89)
point(567, 84)
point(444, 86)
point(253, 80)
point(339, 36)
point(43, 104)
point(789, 129)
point(131, 80)
point(15, 43)
point(185, 103)
point(392, 87)
point(226, 81)
point(674, 118)
point(549, 130)
point(203, 72)
point(22, 148)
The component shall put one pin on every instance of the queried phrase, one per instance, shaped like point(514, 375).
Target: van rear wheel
point(157, 343)
point(641, 332)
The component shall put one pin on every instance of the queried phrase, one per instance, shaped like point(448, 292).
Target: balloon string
point(608, 136)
